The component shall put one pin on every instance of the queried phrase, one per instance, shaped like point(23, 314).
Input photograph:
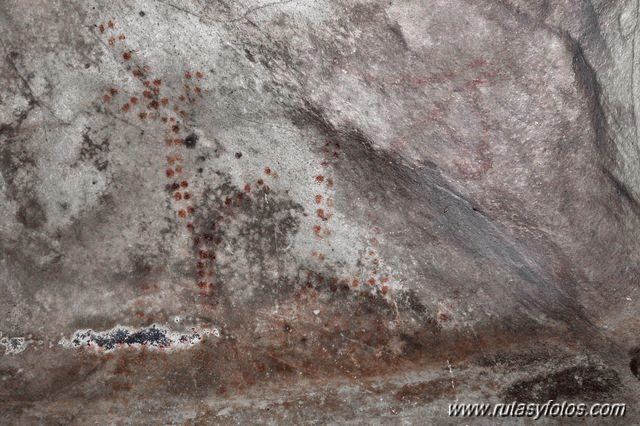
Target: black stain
point(191, 140)
point(586, 382)
point(31, 214)
point(634, 364)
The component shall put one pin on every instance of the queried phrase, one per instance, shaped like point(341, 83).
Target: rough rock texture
point(316, 210)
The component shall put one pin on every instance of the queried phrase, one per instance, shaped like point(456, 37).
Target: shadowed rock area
point(317, 211)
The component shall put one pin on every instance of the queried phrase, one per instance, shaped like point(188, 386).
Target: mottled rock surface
point(316, 211)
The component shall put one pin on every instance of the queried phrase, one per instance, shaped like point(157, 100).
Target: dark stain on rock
point(93, 151)
point(634, 364)
point(191, 140)
point(586, 382)
point(31, 214)
point(425, 392)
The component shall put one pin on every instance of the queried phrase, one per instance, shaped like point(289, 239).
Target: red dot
point(319, 178)
point(187, 196)
point(330, 182)
point(184, 184)
point(134, 100)
point(177, 196)
point(126, 56)
point(259, 182)
point(316, 229)
point(247, 187)
point(126, 107)
point(169, 172)
point(384, 289)
point(182, 213)
point(157, 82)
point(187, 75)
point(267, 170)
point(318, 199)
point(371, 281)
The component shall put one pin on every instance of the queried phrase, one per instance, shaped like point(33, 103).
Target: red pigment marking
point(154, 105)
point(181, 98)
point(113, 91)
point(121, 37)
point(384, 279)
point(142, 115)
point(182, 213)
point(179, 169)
point(190, 227)
point(227, 201)
point(259, 182)
point(199, 75)
point(384, 289)
point(319, 179)
point(175, 128)
point(112, 41)
point(371, 281)
point(330, 182)
point(247, 187)
point(170, 172)
point(187, 75)
point(187, 196)
point(164, 101)
point(198, 90)
point(317, 229)
point(101, 28)
point(318, 199)
point(136, 72)
point(320, 214)
point(126, 107)
point(177, 196)
point(184, 184)
point(133, 100)
point(267, 171)
point(146, 94)
point(355, 283)
point(443, 317)
point(157, 82)
point(110, 24)
point(106, 98)
point(266, 189)
point(191, 209)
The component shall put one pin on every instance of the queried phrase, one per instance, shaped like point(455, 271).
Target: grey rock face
point(316, 211)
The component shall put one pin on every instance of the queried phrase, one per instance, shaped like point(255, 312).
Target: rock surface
point(316, 211)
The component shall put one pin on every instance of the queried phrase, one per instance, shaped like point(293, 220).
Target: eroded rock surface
point(316, 210)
